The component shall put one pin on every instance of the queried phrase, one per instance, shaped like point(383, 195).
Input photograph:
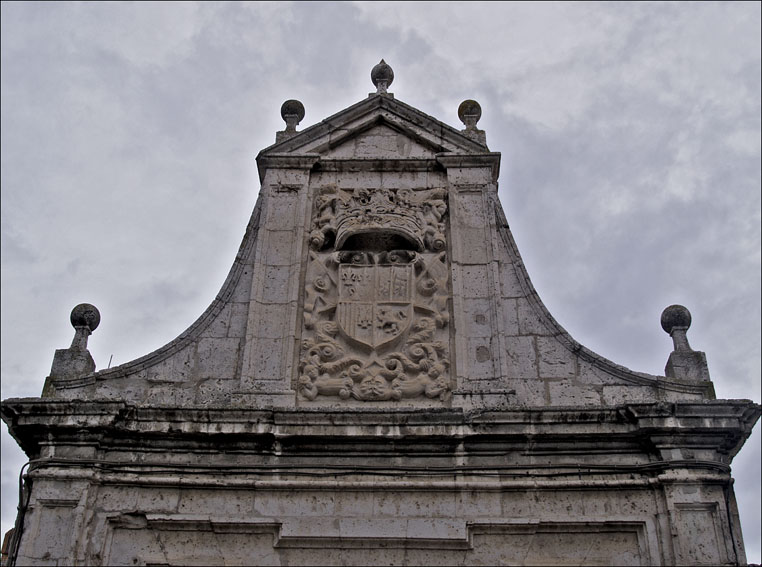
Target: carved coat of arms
point(375, 302)
point(375, 317)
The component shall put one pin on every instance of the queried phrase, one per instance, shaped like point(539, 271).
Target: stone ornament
point(85, 318)
point(74, 362)
point(683, 363)
point(376, 298)
point(415, 217)
point(292, 112)
point(469, 112)
point(382, 76)
point(676, 320)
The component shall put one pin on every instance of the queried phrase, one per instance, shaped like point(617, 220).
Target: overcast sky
point(629, 132)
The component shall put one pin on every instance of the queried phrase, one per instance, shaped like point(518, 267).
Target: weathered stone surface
point(362, 495)
point(377, 382)
point(555, 360)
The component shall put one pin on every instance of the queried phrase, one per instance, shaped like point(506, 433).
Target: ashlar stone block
point(182, 394)
point(55, 528)
point(565, 393)
point(481, 359)
point(242, 291)
point(286, 177)
point(590, 374)
point(265, 359)
point(627, 394)
point(471, 504)
point(272, 321)
point(157, 501)
point(478, 317)
point(407, 180)
point(469, 175)
point(521, 359)
point(469, 246)
point(201, 502)
point(356, 179)
point(215, 392)
point(282, 211)
point(276, 284)
point(475, 281)
point(277, 504)
point(529, 320)
point(219, 327)
point(556, 361)
point(529, 392)
point(239, 316)
point(218, 358)
point(510, 315)
point(116, 498)
point(280, 249)
point(509, 282)
point(470, 212)
point(355, 503)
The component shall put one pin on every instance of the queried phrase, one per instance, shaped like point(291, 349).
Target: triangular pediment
point(378, 127)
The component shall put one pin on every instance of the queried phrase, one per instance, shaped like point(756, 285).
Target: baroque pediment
point(378, 269)
point(379, 138)
point(377, 126)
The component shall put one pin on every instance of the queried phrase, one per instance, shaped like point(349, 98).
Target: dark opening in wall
point(378, 241)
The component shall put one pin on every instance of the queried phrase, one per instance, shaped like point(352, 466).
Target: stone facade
point(377, 382)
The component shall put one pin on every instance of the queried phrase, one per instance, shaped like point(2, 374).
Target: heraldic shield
point(375, 302)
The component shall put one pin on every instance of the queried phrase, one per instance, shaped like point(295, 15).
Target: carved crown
point(379, 212)
point(382, 219)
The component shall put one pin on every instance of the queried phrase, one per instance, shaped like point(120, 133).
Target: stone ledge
point(711, 431)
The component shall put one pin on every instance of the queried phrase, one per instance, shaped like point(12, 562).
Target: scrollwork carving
point(375, 321)
point(416, 215)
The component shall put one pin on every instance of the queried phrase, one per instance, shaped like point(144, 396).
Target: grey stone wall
point(130, 486)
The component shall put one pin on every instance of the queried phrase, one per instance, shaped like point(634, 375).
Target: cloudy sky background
point(629, 132)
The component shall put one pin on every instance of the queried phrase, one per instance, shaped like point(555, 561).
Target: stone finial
point(469, 113)
point(684, 363)
point(382, 76)
point(676, 320)
point(292, 112)
point(85, 318)
point(75, 361)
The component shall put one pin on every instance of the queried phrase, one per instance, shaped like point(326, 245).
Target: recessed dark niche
point(378, 241)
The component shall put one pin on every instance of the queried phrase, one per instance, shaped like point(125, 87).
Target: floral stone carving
point(375, 319)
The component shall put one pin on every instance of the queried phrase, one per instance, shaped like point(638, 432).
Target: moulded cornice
point(720, 426)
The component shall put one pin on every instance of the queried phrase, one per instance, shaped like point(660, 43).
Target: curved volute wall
point(497, 347)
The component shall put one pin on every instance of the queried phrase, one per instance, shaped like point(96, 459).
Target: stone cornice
point(375, 164)
point(717, 426)
point(486, 159)
point(286, 161)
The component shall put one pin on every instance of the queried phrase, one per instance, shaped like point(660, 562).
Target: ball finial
point(292, 112)
point(85, 315)
point(675, 316)
point(469, 113)
point(382, 76)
